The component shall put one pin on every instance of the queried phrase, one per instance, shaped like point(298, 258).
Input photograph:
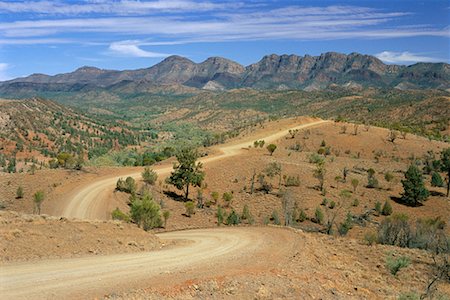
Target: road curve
point(206, 250)
point(91, 201)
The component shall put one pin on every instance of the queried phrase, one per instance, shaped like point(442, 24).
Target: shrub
point(233, 218)
point(414, 189)
point(149, 176)
point(127, 186)
point(324, 202)
point(219, 215)
point(215, 196)
point(387, 209)
point(145, 212)
point(371, 238)
point(227, 198)
point(355, 202)
point(355, 183)
point(332, 205)
point(378, 207)
point(409, 296)
point(271, 148)
point(19, 192)
point(275, 218)
point(345, 226)
point(38, 198)
point(246, 215)
point(302, 216)
point(315, 158)
point(292, 181)
point(166, 215)
point(372, 181)
point(318, 216)
point(436, 180)
point(395, 230)
point(266, 220)
point(395, 265)
point(190, 208)
point(117, 214)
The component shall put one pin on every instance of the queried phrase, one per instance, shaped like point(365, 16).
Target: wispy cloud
point(404, 57)
point(124, 7)
point(131, 49)
point(3, 71)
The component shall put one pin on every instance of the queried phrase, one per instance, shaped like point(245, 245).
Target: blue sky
point(54, 36)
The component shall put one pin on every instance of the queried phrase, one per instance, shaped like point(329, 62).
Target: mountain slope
point(271, 72)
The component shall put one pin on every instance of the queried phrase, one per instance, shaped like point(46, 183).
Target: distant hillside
point(36, 130)
point(354, 71)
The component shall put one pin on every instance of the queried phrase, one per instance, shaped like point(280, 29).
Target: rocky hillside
point(271, 72)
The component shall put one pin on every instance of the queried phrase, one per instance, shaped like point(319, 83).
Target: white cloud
point(131, 48)
point(123, 7)
point(404, 57)
point(3, 68)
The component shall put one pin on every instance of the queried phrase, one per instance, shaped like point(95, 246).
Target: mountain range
point(354, 71)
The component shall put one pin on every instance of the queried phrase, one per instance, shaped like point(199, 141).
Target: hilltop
point(271, 72)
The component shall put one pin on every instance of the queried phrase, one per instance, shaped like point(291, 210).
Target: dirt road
point(207, 252)
point(91, 202)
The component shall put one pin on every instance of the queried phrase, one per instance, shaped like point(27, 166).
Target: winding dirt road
point(206, 252)
point(92, 201)
point(199, 254)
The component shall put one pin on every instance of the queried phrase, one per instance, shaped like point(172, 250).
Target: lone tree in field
point(38, 198)
point(187, 171)
point(319, 173)
point(271, 148)
point(445, 166)
point(414, 189)
point(149, 176)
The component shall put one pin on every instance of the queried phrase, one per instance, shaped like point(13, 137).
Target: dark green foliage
point(233, 218)
point(128, 185)
point(149, 176)
point(387, 209)
point(378, 207)
point(117, 214)
point(445, 167)
point(345, 226)
point(436, 180)
point(332, 205)
point(145, 212)
point(271, 148)
point(187, 171)
point(372, 181)
point(414, 189)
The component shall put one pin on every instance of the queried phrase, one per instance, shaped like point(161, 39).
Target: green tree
point(318, 216)
point(145, 212)
point(271, 148)
point(387, 209)
point(117, 214)
point(445, 166)
point(414, 189)
point(436, 180)
point(319, 173)
point(149, 176)
point(187, 171)
point(166, 215)
point(38, 198)
point(233, 218)
point(19, 193)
